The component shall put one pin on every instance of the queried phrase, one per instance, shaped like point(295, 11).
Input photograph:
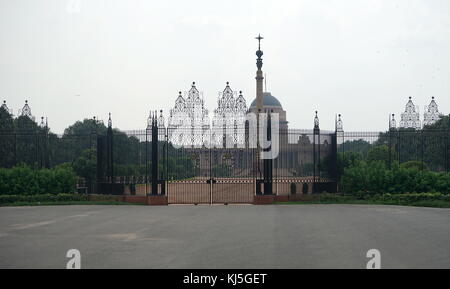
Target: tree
point(85, 165)
point(427, 144)
point(414, 165)
point(346, 160)
point(437, 137)
point(361, 146)
point(7, 139)
point(379, 153)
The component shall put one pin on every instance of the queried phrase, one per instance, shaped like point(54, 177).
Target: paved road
point(241, 236)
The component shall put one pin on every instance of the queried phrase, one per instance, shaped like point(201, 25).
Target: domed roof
point(268, 100)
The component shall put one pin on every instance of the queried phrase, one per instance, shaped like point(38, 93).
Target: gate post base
point(157, 200)
point(263, 199)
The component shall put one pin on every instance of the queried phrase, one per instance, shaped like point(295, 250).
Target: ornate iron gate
point(232, 175)
point(211, 176)
point(189, 177)
point(197, 167)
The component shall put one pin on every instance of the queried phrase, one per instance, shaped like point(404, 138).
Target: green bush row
point(23, 180)
point(415, 197)
point(7, 199)
point(104, 198)
point(374, 177)
point(383, 198)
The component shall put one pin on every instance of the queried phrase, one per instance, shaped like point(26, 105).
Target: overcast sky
point(77, 59)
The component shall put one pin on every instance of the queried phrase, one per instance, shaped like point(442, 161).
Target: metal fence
point(428, 149)
point(153, 161)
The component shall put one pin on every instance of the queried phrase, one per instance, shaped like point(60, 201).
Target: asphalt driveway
point(240, 236)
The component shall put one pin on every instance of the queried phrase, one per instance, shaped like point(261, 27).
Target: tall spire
point(109, 121)
point(431, 114)
point(26, 111)
point(259, 53)
point(411, 117)
point(5, 107)
point(316, 122)
point(259, 76)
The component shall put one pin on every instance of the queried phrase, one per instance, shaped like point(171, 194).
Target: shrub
point(412, 198)
point(23, 180)
point(374, 177)
point(379, 153)
point(7, 199)
point(414, 165)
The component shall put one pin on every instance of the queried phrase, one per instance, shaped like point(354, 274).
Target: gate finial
point(316, 121)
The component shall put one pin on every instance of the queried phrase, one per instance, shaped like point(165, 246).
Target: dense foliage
point(372, 168)
point(429, 144)
point(375, 177)
point(414, 199)
point(58, 198)
point(22, 141)
point(23, 180)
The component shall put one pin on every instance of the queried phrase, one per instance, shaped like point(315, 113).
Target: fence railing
point(304, 154)
point(429, 148)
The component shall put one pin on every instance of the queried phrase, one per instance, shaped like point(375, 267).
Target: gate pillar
point(265, 186)
point(316, 153)
point(154, 155)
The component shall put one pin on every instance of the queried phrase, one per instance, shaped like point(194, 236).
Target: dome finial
point(259, 53)
point(259, 38)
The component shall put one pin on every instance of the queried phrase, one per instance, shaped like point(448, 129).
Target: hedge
point(58, 198)
point(7, 199)
point(401, 199)
point(414, 197)
point(374, 177)
point(23, 180)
